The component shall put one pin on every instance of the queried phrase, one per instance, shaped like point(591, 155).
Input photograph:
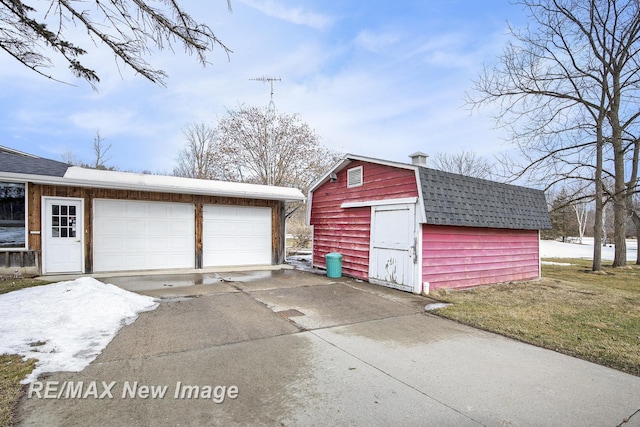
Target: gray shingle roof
point(16, 162)
point(452, 199)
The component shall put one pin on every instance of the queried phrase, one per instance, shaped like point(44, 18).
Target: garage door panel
point(112, 242)
point(143, 235)
point(157, 227)
point(110, 226)
point(132, 227)
point(136, 246)
point(236, 235)
point(180, 243)
point(131, 210)
point(157, 244)
point(112, 210)
point(179, 227)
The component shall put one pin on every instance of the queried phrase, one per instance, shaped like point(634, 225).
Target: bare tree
point(568, 88)
point(198, 159)
point(100, 152)
point(466, 163)
point(563, 225)
point(262, 146)
point(100, 155)
point(582, 210)
point(129, 28)
point(69, 157)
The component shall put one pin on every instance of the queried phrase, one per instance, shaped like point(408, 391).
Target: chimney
point(419, 158)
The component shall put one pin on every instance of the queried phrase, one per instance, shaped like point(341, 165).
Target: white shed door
point(236, 235)
point(138, 235)
point(393, 251)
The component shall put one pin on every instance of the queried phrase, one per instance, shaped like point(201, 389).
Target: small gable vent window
point(354, 177)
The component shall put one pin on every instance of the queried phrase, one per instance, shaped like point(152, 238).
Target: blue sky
point(377, 78)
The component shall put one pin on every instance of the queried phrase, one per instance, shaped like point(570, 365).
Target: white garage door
point(236, 235)
point(133, 235)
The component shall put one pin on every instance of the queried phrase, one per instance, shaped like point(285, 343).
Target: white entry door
point(62, 235)
point(393, 252)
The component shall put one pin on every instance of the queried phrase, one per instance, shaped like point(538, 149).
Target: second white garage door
point(236, 235)
point(141, 235)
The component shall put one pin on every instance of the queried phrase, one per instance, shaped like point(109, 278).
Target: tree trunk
point(636, 222)
point(597, 226)
point(620, 186)
point(597, 230)
point(619, 209)
point(620, 231)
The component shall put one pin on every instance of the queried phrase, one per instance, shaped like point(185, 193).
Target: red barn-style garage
point(418, 229)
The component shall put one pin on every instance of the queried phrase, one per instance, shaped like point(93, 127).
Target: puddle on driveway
point(164, 281)
point(168, 286)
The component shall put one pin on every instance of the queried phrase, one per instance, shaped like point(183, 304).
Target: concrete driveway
point(290, 348)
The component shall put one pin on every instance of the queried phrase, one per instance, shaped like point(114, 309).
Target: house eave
point(79, 177)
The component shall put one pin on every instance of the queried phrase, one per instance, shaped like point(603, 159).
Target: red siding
point(347, 230)
point(458, 257)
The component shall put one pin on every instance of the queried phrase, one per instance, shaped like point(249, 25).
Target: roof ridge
point(469, 177)
point(20, 153)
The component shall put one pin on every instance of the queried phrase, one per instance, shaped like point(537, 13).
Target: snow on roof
point(173, 184)
point(16, 165)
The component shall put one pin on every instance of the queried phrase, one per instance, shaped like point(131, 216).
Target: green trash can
point(334, 265)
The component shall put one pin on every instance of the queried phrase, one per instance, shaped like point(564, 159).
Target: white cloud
point(374, 41)
point(117, 121)
point(296, 15)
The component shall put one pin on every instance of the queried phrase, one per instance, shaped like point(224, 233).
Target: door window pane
point(63, 221)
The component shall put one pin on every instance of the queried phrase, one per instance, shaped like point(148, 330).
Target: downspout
point(539, 258)
point(422, 287)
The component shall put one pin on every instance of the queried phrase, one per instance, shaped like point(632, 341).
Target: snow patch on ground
point(555, 249)
point(303, 262)
point(435, 306)
point(66, 325)
point(564, 264)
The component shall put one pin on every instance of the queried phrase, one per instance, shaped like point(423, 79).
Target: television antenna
point(270, 80)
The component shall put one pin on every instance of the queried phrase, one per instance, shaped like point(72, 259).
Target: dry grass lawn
point(8, 285)
point(595, 317)
point(12, 370)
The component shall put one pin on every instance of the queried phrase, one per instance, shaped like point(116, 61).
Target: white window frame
point(350, 172)
point(26, 218)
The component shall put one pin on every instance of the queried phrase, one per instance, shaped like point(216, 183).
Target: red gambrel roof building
point(418, 229)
